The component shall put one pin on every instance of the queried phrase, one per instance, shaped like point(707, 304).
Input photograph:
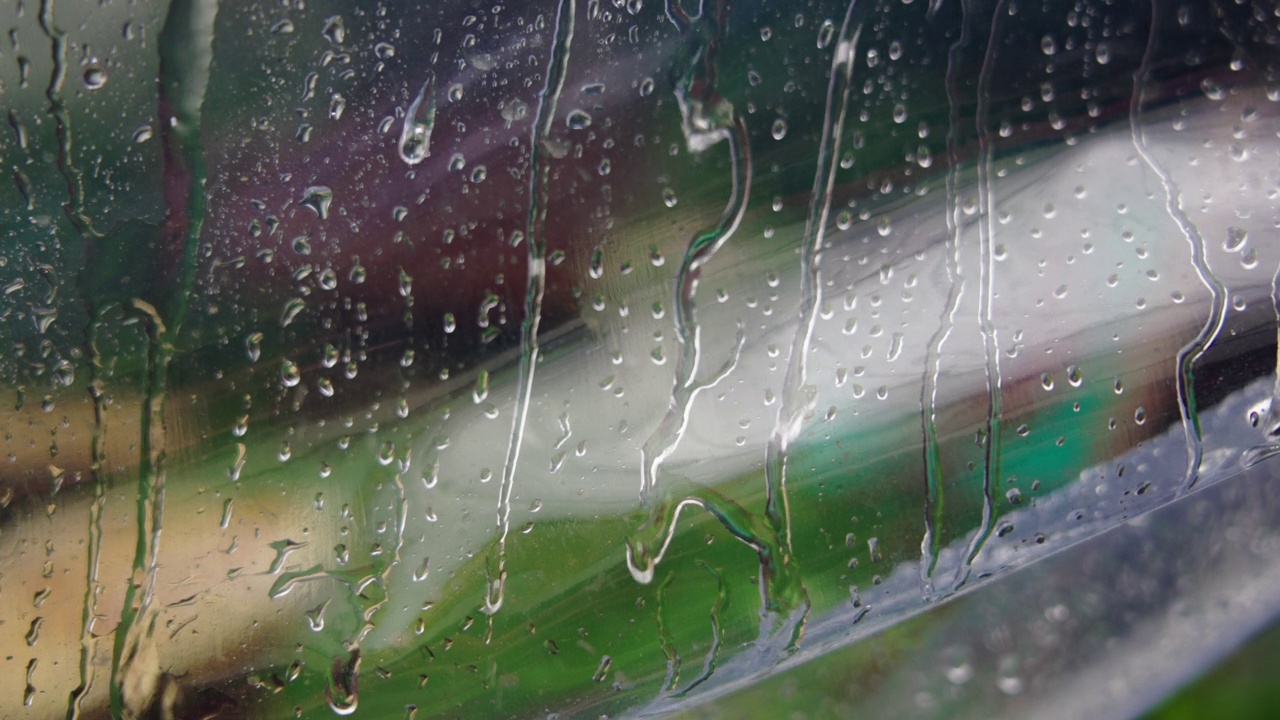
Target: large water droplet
point(317, 198)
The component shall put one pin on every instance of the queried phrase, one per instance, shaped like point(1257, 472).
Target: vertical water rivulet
point(1189, 353)
point(535, 288)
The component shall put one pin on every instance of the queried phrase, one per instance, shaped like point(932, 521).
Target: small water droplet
point(1212, 89)
point(578, 120)
point(419, 120)
point(291, 310)
point(1236, 238)
point(1074, 376)
point(779, 129)
point(334, 30)
point(337, 104)
point(289, 373)
point(94, 77)
point(423, 570)
point(825, 33)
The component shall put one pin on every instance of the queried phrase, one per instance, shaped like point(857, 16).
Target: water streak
point(707, 118)
point(664, 640)
point(935, 499)
point(93, 547)
point(1273, 411)
point(535, 287)
point(186, 57)
point(74, 209)
point(797, 400)
point(709, 665)
point(71, 175)
point(1195, 349)
point(986, 300)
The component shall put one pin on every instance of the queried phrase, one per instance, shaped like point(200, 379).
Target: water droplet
point(1249, 260)
point(884, 226)
point(669, 197)
point(419, 120)
point(289, 373)
point(384, 50)
point(478, 174)
point(1103, 53)
point(924, 157)
point(142, 134)
point(779, 129)
point(1074, 376)
point(646, 87)
point(334, 30)
point(94, 77)
point(1236, 238)
point(317, 198)
point(578, 120)
point(291, 310)
point(825, 33)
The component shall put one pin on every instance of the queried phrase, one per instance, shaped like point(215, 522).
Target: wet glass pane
point(609, 357)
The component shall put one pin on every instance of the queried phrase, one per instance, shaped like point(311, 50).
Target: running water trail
point(1273, 412)
point(986, 299)
point(797, 397)
point(74, 209)
point(1195, 349)
point(709, 665)
point(706, 119)
point(93, 547)
point(535, 287)
point(1267, 419)
point(71, 175)
point(186, 57)
point(934, 479)
point(931, 546)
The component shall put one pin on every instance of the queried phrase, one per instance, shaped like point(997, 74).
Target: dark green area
point(1241, 686)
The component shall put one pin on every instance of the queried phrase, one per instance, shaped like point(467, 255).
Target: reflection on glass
point(599, 357)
